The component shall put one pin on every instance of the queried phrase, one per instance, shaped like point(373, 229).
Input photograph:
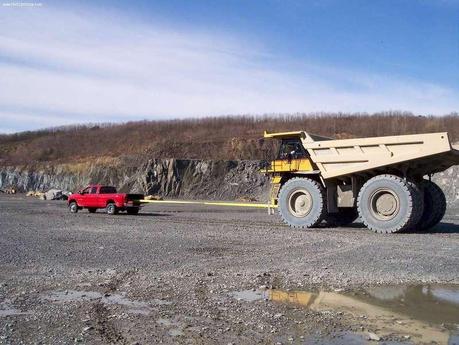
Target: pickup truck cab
point(98, 196)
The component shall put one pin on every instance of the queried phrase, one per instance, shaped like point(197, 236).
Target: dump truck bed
point(421, 154)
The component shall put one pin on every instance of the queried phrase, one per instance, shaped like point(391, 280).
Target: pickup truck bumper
point(132, 203)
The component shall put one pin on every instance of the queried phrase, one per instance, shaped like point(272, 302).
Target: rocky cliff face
point(167, 177)
point(194, 179)
point(449, 182)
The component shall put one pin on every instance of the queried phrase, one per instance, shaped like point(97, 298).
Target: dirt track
point(169, 274)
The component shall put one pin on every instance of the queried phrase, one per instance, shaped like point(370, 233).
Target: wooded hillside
point(228, 137)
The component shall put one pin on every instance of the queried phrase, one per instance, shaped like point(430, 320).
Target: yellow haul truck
point(384, 180)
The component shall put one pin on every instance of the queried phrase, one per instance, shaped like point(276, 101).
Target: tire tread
point(323, 210)
point(436, 214)
point(413, 207)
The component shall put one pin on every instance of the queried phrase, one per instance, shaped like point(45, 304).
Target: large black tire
point(345, 216)
point(301, 203)
point(434, 206)
point(418, 208)
point(389, 204)
point(133, 210)
point(73, 207)
point(111, 209)
point(92, 210)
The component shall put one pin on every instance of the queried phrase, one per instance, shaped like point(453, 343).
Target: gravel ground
point(168, 275)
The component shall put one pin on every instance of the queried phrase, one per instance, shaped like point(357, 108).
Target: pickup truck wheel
point(434, 205)
point(388, 204)
point(301, 203)
point(92, 210)
point(73, 207)
point(132, 210)
point(345, 216)
point(111, 209)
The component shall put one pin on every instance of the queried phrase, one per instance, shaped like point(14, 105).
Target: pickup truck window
point(107, 190)
point(85, 191)
point(94, 190)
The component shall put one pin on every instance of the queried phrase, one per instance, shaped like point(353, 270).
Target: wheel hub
point(385, 204)
point(300, 203)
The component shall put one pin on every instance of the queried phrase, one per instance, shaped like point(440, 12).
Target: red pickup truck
point(98, 196)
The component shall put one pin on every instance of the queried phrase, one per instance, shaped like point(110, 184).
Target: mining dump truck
point(386, 181)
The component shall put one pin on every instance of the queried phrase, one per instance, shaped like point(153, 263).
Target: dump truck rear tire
point(345, 216)
point(301, 203)
point(434, 205)
point(418, 206)
point(388, 204)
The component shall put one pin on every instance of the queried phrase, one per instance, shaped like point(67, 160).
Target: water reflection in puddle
point(418, 314)
point(176, 328)
point(134, 307)
point(6, 309)
point(339, 338)
point(11, 312)
point(250, 295)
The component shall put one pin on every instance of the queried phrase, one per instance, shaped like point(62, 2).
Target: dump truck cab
point(292, 156)
point(384, 180)
point(291, 159)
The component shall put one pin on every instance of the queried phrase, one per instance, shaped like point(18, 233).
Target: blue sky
point(99, 61)
point(408, 38)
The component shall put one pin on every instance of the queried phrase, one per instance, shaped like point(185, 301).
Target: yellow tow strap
point(213, 203)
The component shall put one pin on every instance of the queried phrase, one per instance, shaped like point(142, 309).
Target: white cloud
point(61, 67)
point(6, 130)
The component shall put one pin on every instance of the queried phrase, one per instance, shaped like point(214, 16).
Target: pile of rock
point(52, 194)
point(153, 197)
point(11, 190)
point(36, 194)
point(57, 194)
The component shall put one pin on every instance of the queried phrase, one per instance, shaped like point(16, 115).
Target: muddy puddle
point(6, 309)
point(133, 307)
point(393, 314)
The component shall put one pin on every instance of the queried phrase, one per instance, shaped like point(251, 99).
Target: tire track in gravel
point(104, 326)
point(191, 221)
point(248, 223)
point(106, 329)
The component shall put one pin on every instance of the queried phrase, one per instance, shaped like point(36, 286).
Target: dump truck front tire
point(345, 216)
point(434, 205)
point(301, 203)
point(388, 204)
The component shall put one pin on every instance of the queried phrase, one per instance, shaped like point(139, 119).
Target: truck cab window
point(94, 190)
point(107, 190)
point(291, 149)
